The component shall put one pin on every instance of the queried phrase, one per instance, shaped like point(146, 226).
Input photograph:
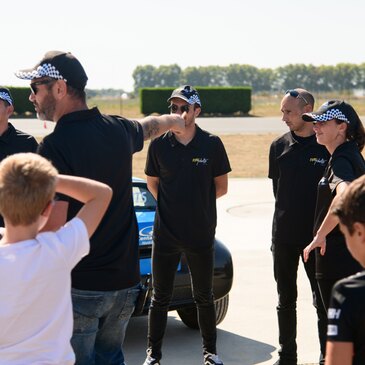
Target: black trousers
point(165, 260)
point(286, 261)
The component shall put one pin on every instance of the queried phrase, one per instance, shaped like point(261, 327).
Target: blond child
point(35, 290)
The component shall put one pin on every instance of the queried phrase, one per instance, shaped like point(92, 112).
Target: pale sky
point(112, 37)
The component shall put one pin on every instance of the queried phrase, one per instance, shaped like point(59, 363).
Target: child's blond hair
point(27, 185)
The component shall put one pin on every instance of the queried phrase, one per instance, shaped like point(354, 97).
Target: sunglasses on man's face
point(175, 108)
point(296, 94)
point(33, 85)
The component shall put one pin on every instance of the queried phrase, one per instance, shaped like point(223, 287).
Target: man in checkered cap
point(106, 283)
point(12, 140)
point(189, 171)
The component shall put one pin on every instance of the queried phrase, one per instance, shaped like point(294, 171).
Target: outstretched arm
point(330, 221)
point(154, 126)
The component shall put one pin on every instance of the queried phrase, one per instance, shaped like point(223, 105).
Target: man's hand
point(178, 123)
point(317, 242)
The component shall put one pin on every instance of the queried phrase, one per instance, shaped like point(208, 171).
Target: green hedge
point(215, 100)
point(20, 96)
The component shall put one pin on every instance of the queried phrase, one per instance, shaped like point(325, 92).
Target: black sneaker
point(282, 362)
point(212, 359)
point(151, 361)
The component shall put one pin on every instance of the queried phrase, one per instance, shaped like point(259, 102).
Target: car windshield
point(142, 198)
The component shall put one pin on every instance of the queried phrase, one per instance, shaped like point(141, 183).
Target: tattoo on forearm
point(151, 129)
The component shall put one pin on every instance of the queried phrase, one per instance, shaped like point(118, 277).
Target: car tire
point(189, 316)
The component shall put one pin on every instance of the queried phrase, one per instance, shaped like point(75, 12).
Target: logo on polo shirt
point(200, 161)
point(318, 161)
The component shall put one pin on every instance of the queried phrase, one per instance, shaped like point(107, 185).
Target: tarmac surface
point(249, 334)
point(215, 125)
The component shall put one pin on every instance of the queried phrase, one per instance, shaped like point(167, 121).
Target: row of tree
point(341, 77)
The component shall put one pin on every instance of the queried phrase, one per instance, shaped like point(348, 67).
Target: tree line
point(340, 77)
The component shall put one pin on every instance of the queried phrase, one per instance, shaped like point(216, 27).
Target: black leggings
point(165, 261)
point(325, 288)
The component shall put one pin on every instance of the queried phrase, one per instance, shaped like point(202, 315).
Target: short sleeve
point(340, 316)
point(273, 167)
point(221, 162)
point(135, 133)
point(71, 241)
point(152, 165)
point(342, 171)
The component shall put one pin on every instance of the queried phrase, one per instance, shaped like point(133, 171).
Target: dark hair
point(76, 93)
point(5, 102)
point(351, 206)
point(355, 132)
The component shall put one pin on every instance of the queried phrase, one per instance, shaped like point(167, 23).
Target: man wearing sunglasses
point(186, 173)
point(296, 165)
point(106, 283)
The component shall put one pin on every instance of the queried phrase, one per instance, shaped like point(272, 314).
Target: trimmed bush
point(215, 100)
point(20, 96)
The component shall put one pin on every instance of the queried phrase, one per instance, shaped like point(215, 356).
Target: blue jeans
point(100, 323)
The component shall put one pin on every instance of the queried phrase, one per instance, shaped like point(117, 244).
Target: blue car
point(182, 300)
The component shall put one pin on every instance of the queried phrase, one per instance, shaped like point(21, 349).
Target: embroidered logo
point(318, 161)
point(200, 161)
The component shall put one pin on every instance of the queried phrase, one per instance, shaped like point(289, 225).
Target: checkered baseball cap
point(333, 109)
point(57, 65)
point(5, 95)
point(187, 93)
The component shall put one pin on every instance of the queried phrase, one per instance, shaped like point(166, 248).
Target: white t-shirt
point(35, 296)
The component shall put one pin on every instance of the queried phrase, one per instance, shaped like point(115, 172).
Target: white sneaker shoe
point(151, 361)
point(212, 359)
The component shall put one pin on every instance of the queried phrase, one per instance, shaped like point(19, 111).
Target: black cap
point(333, 109)
point(187, 93)
point(5, 95)
point(57, 65)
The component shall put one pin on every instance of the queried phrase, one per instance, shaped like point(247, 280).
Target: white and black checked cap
point(187, 93)
point(5, 95)
point(57, 65)
point(333, 109)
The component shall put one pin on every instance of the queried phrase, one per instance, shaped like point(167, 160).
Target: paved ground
point(214, 125)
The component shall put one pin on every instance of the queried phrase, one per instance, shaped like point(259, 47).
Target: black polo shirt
point(95, 146)
point(186, 206)
point(346, 315)
point(296, 164)
point(346, 164)
point(15, 141)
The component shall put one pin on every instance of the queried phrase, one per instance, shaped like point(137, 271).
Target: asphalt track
point(214, 125)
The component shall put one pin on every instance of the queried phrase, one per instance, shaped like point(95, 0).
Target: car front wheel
point(189, 315)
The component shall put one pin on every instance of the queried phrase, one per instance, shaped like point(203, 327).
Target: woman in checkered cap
point(340, 130)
